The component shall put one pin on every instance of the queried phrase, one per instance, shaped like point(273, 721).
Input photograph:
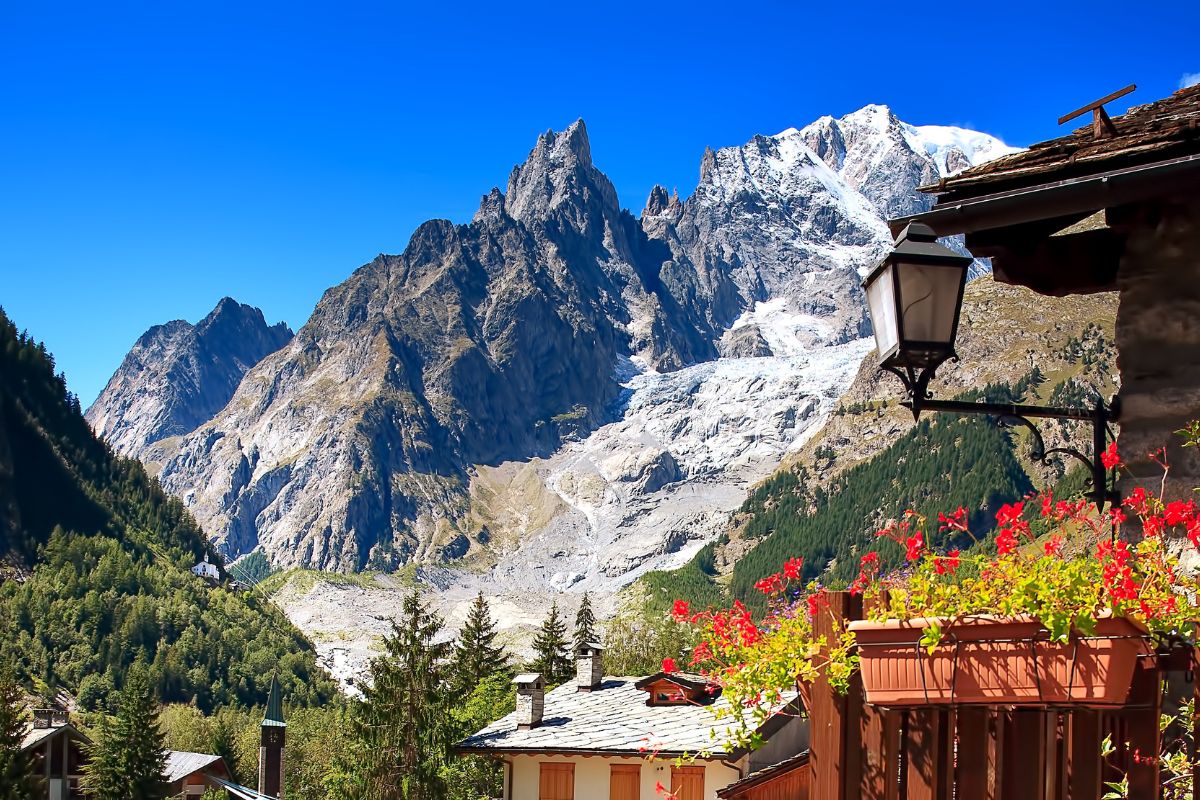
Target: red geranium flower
point(1109, 457)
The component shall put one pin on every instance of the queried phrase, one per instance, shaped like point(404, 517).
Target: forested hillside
point(95, 562)
point(870, 463)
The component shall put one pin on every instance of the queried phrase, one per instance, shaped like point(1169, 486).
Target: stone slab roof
point(181, 763)
point(35, 736)
point(611, 720)
point(1158, 131)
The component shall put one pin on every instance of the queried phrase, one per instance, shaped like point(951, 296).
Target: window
point(624, 782)
point(557, 781)
point(687, 783)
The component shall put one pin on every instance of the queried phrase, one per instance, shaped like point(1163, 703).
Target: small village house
point(616, 738)
point(56, 746)
point(190, 775)
point(207, 570)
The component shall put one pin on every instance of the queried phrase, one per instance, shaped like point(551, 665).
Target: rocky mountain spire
point(178, 375)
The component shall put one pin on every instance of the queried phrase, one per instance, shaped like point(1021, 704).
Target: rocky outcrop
point(479, 343)
point(653, 366)
point(178, 375)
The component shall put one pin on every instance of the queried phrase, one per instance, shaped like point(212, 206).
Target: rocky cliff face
point(480, 343)
point(540, 391)
point(178, 375)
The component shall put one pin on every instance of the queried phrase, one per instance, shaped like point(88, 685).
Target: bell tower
point(270, 751)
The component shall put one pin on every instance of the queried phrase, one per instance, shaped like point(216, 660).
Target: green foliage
point(944, 462)
point(128, 757)
point(694, 582)
point(402, 726)
point(18, 780)
point(476, 654)
point(252, 568)
point(641, 635)
point(585, 623)
point(110, 555)
point(476, 777)
point(550, 650)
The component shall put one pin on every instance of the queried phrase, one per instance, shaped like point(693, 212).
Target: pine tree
point(585, 623)
point(402, 721)
point(476, 655)
point(17, 777)
point(550, 657)
point(127, 759)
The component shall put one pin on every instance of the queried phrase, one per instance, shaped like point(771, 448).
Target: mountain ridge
point(512, 336)
point(178, 375)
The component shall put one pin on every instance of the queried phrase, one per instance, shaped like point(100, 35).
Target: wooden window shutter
point(557, 781)
point(687, 783)
point(624, 782)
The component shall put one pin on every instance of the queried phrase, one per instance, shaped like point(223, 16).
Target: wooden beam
point(1079, 263)
point(1079, 112)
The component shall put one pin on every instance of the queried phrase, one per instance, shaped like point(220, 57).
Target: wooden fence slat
point(976, 770)
point(827, 754)
point(1025, 756)
point(880, 741)
point(855, 707)
point(1142, 730)
point(930, 753)
point(1084, 735)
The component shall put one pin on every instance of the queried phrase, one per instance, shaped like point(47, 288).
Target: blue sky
point(158, 157)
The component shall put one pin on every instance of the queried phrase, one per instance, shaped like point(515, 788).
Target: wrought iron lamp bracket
point(916, 385)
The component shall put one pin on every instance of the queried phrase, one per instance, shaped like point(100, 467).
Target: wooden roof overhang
point(1054, 217)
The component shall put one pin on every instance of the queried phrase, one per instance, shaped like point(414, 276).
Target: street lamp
point(915, 298)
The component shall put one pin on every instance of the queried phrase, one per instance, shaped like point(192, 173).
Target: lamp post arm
point(1014, 413)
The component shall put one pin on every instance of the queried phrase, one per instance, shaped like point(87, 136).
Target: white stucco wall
point(591, 776)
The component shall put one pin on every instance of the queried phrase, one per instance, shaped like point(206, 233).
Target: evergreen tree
point(128, 759)
point(402, 722)
point(477, 656)
point(550, 646)
point(17, 777)
point(585, 623)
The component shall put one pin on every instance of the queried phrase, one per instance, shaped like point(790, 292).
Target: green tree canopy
point(476, 654)
point(128, 758)
point(550, 650)
point(402, 723)
point(585, 623)
point(18, 780)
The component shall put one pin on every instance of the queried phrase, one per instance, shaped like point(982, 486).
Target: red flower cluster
point(668, 665)
point(913, 546)
point(770, 584)
point(1012, 527)
point(1117, 574)
point(947, 563)
point(792, 568)
point(868, 567)
point(680, 611)
point(1109, 457)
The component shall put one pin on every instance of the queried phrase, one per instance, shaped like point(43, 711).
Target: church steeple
point(270, 752)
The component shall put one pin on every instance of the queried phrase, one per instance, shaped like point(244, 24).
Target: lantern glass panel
point(881, 302)
point(929, 301)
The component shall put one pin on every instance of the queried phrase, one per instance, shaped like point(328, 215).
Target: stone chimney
point(589, 667)
point(531, 700)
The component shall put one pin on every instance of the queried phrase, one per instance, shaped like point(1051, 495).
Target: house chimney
point(531, 700)
point(589, 667)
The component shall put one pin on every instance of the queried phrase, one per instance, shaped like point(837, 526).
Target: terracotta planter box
point(997, 661)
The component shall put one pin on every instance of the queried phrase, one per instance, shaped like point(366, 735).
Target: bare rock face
point(480, 343)
point(643, 371)
point(178, 375)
